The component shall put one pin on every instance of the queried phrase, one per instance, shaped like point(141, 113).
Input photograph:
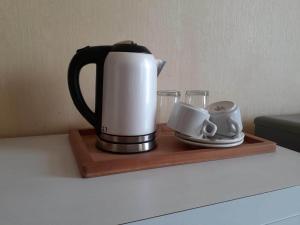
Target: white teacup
point(191, 121)
point(227, 116)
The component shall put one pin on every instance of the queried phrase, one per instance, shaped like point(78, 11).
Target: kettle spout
point(160, 64)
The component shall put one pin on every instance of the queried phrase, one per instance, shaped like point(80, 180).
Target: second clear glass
point(197, 98)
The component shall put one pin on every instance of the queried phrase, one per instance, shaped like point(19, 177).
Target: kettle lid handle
point(129, 46)
point(126, 42)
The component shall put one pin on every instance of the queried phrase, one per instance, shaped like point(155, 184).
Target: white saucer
point(214, 140)
point(210, 145)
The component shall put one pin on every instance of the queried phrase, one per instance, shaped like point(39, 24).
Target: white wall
point(244, 50)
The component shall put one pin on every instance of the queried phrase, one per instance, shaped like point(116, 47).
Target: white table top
point(40, 184)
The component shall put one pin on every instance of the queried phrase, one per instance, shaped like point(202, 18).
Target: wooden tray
point(92, 162)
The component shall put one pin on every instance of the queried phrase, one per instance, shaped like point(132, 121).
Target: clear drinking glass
point(197, 98)
point(165, 101)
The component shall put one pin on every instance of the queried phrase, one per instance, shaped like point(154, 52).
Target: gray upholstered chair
point(282, 129)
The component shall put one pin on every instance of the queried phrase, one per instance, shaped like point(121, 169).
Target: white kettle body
point(129, 94)
point(126, 87)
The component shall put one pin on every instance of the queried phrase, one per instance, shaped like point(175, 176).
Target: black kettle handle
point(83, 57)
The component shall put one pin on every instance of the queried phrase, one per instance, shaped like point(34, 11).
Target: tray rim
point(87, 165)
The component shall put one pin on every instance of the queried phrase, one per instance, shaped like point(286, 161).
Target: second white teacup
point(191, 121)
point(227, 116)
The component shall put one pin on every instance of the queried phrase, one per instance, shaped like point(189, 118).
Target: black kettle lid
point(129, 46)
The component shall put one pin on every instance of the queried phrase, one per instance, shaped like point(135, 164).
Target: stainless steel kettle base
point(125, 148)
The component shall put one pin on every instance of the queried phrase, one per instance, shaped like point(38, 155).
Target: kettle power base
point(125, 148)
point(126, 144)
point(169, 151)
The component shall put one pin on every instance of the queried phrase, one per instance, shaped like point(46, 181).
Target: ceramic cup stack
point(218, 125)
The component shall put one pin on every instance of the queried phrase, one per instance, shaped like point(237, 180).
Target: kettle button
point(126, 42)
point(82, 49)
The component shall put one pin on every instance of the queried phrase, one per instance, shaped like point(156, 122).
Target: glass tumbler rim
point(173, 93)
point(197, 92)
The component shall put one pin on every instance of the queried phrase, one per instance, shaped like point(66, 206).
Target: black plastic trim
point(83, 57)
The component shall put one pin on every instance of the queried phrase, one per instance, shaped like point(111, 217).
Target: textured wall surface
point(247, 51)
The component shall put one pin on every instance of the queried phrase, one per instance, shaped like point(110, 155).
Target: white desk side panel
point(254, 210)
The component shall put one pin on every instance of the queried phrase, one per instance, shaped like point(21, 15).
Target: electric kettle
point(125, 100)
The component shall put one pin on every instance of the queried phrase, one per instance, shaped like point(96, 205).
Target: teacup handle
point(235, 127)
point(209, 129)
